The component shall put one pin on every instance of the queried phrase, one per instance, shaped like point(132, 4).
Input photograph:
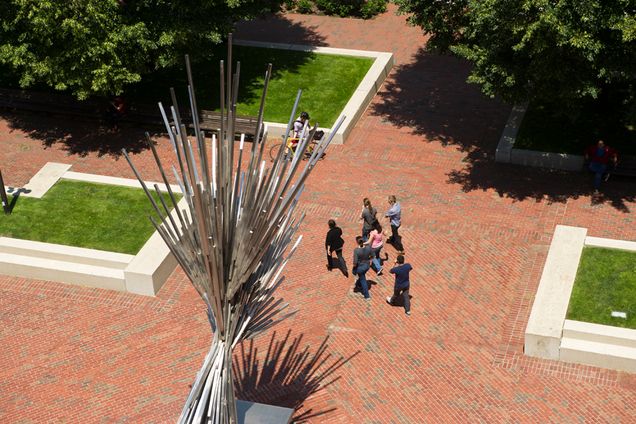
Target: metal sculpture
point(235, 237)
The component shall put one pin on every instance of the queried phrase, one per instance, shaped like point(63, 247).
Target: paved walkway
point(476, 233)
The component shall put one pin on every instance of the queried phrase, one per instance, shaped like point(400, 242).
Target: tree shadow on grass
point(205, 69)
point(430, 96)
point(287, 375)
point(78, 136)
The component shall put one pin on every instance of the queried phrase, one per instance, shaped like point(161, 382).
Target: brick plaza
point(476, 233)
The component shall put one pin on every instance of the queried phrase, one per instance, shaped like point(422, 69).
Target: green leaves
point(100, 46)
point(536, 49)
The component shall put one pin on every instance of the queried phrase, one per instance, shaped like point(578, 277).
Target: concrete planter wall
point(143, 273)
point(550, 335)
point(506, 152)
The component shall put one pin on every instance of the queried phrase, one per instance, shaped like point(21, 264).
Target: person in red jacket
point(600, 158)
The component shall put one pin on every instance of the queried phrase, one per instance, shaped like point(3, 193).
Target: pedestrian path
point(475, 232)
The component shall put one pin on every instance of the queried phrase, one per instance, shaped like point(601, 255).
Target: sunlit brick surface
point(477, 234)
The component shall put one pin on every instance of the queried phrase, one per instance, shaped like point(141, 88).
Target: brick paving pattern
point(476, 233)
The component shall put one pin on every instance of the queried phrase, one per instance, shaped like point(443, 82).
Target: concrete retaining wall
point(549, 335)
point(506, 152)
point(545, 325)
point(143, 273)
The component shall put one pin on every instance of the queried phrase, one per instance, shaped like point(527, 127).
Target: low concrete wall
point(361, 97)
point(42, 181)
point(545, 325)
point(151, 267)
point(536, 159)
point(506, 152)
point(599, 345)
point(65, 264)
point(549, 335)
point(509, 134)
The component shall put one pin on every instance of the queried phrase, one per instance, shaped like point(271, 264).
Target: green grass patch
point(605, 282)
point(327, 81)
point(95, 216)
point(545, 128)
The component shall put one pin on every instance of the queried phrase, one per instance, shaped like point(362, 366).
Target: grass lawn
point(605, 282)
point(327, 81)
point(543, 129)
point(80, 214)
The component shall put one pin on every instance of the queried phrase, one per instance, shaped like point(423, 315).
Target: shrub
point(304, 6)
point(370, 8)
point(341, 8)
point(365, 9)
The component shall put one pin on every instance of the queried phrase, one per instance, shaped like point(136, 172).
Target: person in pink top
point(376, 240)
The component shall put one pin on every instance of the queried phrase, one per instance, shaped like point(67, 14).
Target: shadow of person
point(287, 375)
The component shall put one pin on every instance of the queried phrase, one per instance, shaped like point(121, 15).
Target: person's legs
point(341, 263)
point(407, 300)
point(598, 169)
point(365, 234)
point(362, 280)
point(394, 298)
point(375, 262)
point(394, 233)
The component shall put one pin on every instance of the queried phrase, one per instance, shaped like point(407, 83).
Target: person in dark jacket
point(334, 243)
point(402, 284)
point(361, 264)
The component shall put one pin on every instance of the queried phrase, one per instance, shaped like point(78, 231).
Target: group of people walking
point(367, 254)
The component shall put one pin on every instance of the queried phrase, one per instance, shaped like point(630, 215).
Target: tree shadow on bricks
point(287, 375)
point(277, 28)
point(481, 172)
point(430, 96)
point(78, 136)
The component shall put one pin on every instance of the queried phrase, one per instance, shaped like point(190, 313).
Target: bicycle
point(290, 149)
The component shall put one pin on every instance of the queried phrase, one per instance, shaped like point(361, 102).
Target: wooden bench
point(211, 121)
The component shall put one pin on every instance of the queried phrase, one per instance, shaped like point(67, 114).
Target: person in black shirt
point(334, 243)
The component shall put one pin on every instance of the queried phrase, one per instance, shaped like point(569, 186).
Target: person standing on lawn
point(601, 158)
point(334, 243)
point(368, 217)
point(402, 284)
point(394, 214)
point(361, 256)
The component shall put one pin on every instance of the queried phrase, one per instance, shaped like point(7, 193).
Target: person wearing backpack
point(368, 217)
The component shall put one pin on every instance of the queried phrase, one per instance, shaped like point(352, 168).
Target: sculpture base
point(259, 413)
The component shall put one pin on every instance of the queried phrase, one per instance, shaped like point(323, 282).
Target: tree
point(99, 46)
point(564, 51)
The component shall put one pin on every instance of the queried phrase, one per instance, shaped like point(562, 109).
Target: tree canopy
point(99, 46)
point(564, 50)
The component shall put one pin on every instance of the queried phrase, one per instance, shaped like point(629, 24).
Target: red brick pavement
point(477, 234)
